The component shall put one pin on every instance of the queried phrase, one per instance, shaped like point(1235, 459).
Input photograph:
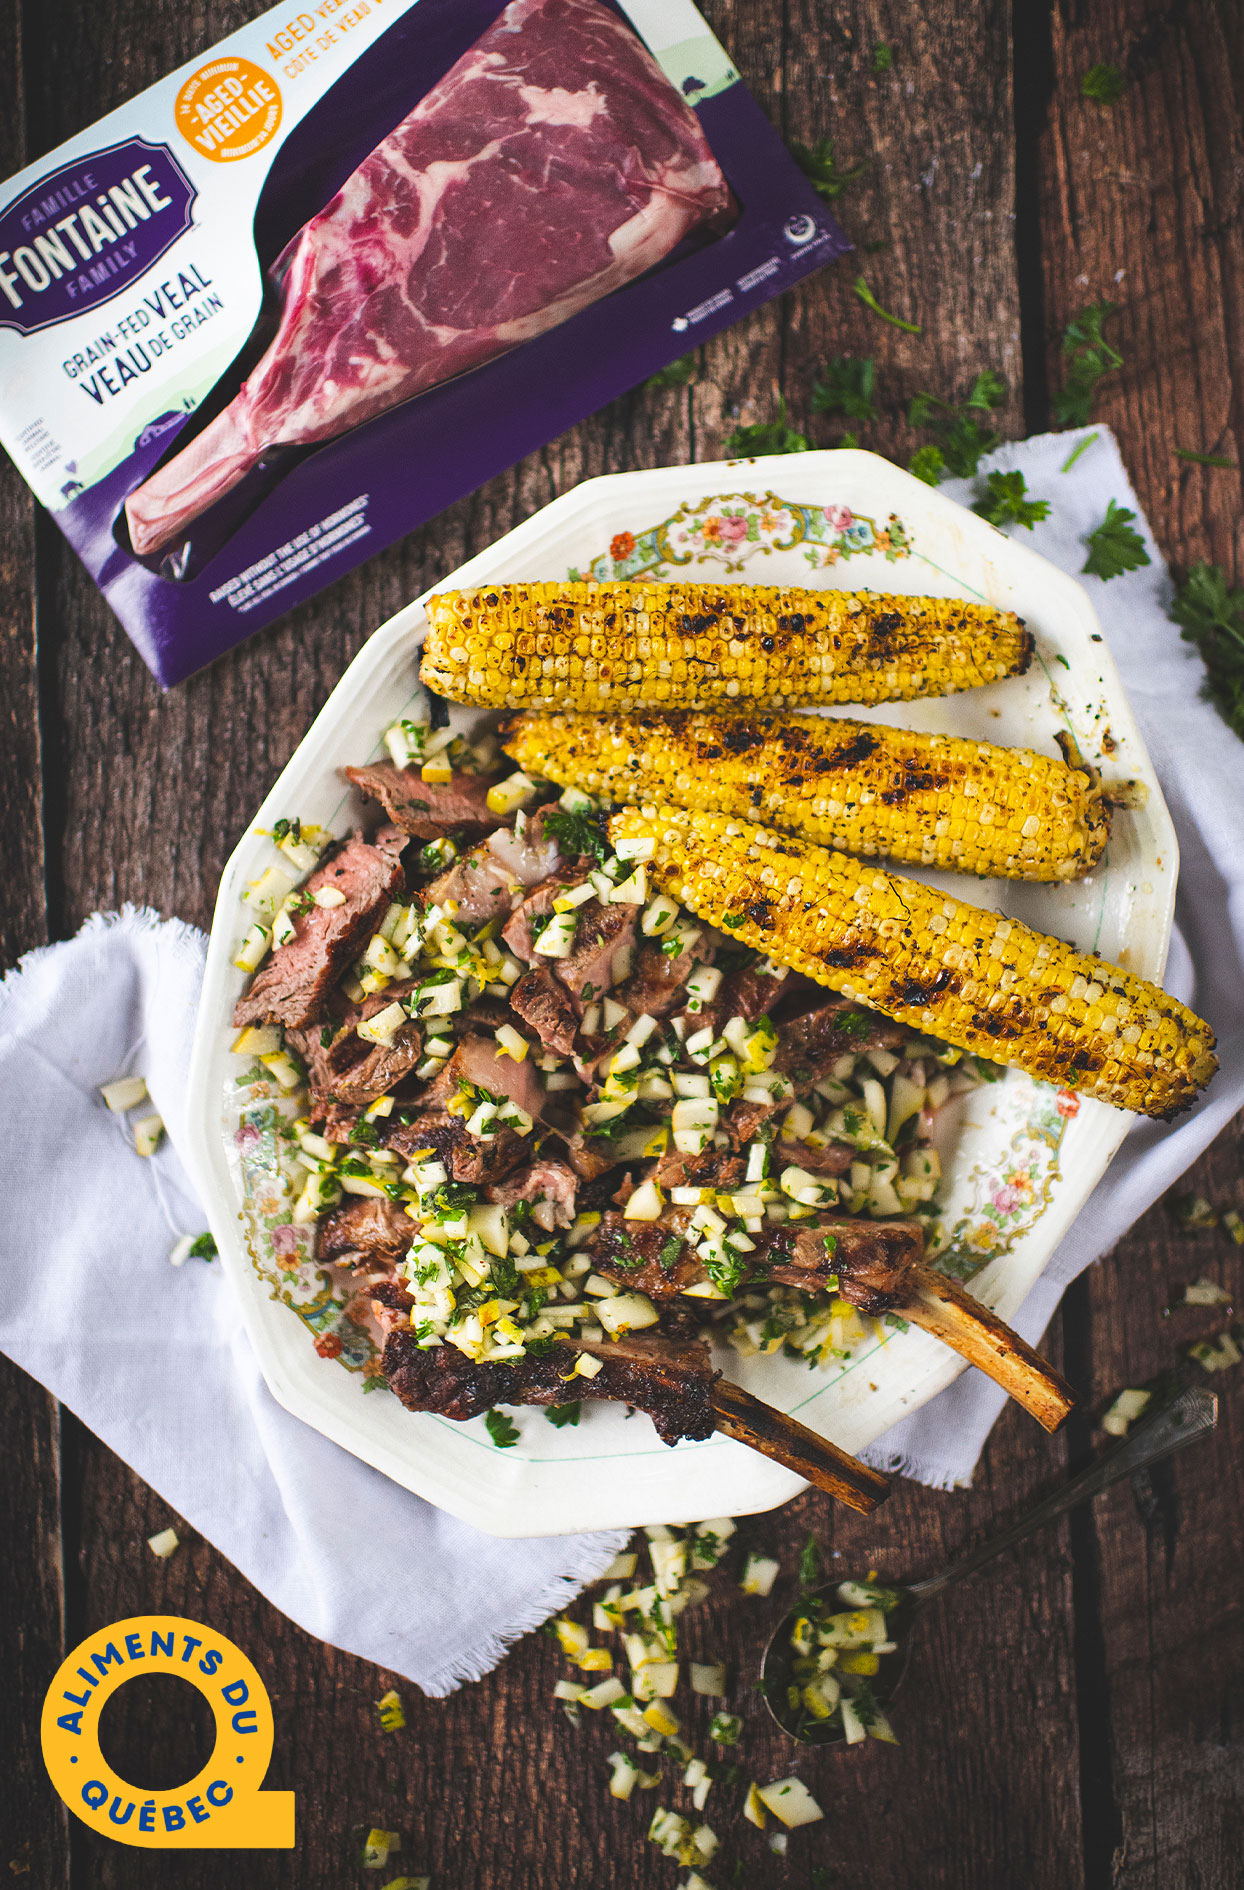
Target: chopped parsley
point(1104, 84)
point(727, 1272)
point(669, 1252)
point(1004, 501)
point(452, 1196)
point(559, 1415)
point(504, 1274)
point(847, 385)
point(503, 1434)
point(673, 374)
point(870, 301)
point(855, 1024)
point(1206, 459)
point(820, 167)
point(963, 437)
point(575, 834)
point(928, 463)
point(1088, 356)
point(809, 1565)
point(627, 1254)
point(204, 1248)
point(1211, 617)
point(830, 1244)
point(764, 437)
point(733, 919)
point(326, 1036)
point(365, 1133)
point(736, 957)
point(1082, 446)
point(1113, 547)
point(288, 830)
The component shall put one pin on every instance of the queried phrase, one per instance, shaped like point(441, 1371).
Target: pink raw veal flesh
point(554, 163)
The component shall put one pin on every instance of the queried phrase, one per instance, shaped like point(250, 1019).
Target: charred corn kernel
point(974, 978)
point(928, 800)
point(625, 646)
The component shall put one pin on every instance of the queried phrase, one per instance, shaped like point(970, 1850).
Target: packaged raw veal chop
point(294, 300)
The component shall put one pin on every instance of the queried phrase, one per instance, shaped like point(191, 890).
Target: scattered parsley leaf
point(502, 1432)
point(204, 1248)
point(733, 919)
point(846, 385)
point(1081, 446)
point(669, 1252)
point(1205, 459)
point(820, 167)
point(674, 373)
point(870, 301)
point(962, 438)
point(1088, 356)
point(1211, 617)
point(964, 444)
point(1113, 546)
point(1104, 84)
point(764, 437)
point(559, 1415)
point(809, 1566)
point(575, 834)
point(883, 58)
point(987, 392)
point(1004, 501)
point(1063, 660)
point(928, 464)
point(855, 1024)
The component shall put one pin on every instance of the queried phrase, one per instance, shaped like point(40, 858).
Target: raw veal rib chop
point(551, 165)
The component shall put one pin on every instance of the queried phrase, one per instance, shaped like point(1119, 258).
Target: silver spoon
point(1189, 1416)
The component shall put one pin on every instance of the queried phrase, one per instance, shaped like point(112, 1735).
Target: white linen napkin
point(154, 1359)
point(1200, 764)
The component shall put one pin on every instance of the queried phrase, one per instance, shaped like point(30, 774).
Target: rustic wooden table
point(1074, 1719)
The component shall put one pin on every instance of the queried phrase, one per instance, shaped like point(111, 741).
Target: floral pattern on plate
point(730, 529)
point(326, 1299)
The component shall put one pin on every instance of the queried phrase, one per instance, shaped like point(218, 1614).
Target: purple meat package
point(367, 268)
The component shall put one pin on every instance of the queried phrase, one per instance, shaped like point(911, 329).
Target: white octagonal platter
point(1020, 1159)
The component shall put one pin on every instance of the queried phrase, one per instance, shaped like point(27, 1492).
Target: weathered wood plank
point(961, 1802)
point(1140, 205)
point(930, 217)
point(1141, 208)
point(33, 1823)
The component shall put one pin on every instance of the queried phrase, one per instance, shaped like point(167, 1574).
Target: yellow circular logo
point(223, 1807)
point(228, 109)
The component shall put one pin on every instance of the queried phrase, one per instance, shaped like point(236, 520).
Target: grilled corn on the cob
point(932, 800)
point(625, 646)
point(974, 978)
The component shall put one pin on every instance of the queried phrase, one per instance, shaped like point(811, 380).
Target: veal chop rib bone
point(552, 164)
point(879, 1268)
point(672, 1379)
point(669, 1379)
